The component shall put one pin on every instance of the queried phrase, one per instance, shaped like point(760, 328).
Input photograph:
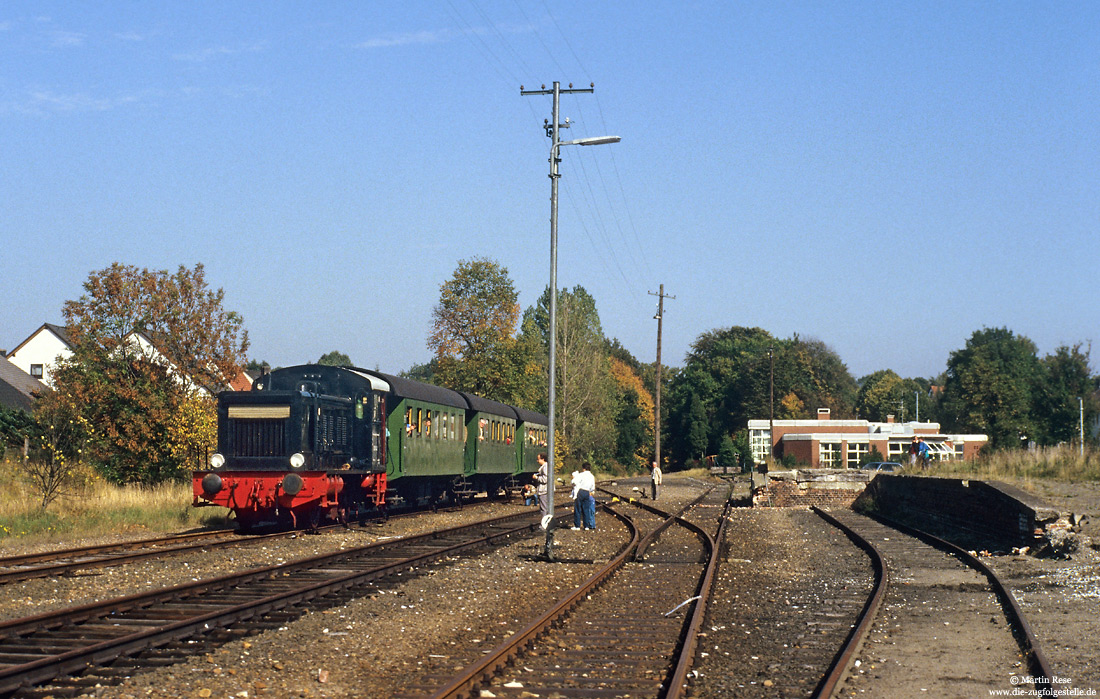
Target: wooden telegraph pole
point(661, 296)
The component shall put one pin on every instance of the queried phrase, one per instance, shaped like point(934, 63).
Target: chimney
point(823, 413)
point(889, 419)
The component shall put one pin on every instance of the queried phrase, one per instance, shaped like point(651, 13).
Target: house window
point(856, 452)
point(36, 371)
point(829, 453)
point(760, 442)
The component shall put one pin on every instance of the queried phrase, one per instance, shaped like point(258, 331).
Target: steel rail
point(677, 685)
point(53, 666)
point(28, 558)
point(1029, 644)
point(842, 661)
point(669, 517)
point(163, 544)
point(221, 538)
point(464, 685)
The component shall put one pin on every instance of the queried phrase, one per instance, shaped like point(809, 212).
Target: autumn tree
point(144, 343)
point(633, 417)
point(192, 431)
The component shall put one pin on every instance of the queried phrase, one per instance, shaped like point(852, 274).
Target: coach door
point(369, 412)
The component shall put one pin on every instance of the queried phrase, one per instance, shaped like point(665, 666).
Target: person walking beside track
point(576, 503)
point(655, 479)
point(586, 486)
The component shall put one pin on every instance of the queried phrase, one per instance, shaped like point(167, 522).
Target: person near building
point(542, 477)
point(924, 453)
point(586, 488)
point(655, 479)
point(913, 449)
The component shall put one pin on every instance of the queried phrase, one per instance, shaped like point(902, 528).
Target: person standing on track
point(586, 486)
point(655, 479)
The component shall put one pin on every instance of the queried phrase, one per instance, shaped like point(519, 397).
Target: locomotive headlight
point(298, 460)
point(217, 460)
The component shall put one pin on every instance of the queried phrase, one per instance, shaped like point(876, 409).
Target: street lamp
point(552, 132)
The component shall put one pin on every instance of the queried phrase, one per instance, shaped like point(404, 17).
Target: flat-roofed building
point(828, 443)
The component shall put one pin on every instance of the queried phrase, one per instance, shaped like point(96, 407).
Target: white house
point(38, 353)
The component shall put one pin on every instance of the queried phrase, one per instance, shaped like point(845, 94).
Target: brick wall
point(803, 488)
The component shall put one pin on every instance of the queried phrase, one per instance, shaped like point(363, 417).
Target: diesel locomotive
point(311, 443)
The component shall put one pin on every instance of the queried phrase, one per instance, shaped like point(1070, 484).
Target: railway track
point(68, 650)
point(938, 621)
point(628, 630)
point(69, 561)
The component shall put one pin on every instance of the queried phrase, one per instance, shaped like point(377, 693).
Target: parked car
point(885, 466)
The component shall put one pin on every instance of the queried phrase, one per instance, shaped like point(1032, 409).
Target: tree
point(727, 453)
point(584, 387)
point(60, 439)
point(730, 373)
point(16, 428)
point(695, 427)
point(990, 387)
point(884, 393)
point(880, 394)
point(1065, 379)
point(473, 335)
point(144, 342)
point(334, 359)
point(192, 431)
point(634, 417)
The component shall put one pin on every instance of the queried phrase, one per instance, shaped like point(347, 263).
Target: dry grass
point(1053, 463)
point(89, 506)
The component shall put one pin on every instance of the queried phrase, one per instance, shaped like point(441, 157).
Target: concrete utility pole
point(657, 396)
point(1081, 408)
point(552, 128)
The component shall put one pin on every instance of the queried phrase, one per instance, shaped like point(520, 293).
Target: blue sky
point(885, 177)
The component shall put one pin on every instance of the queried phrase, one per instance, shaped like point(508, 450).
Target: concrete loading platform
point(977, 515)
